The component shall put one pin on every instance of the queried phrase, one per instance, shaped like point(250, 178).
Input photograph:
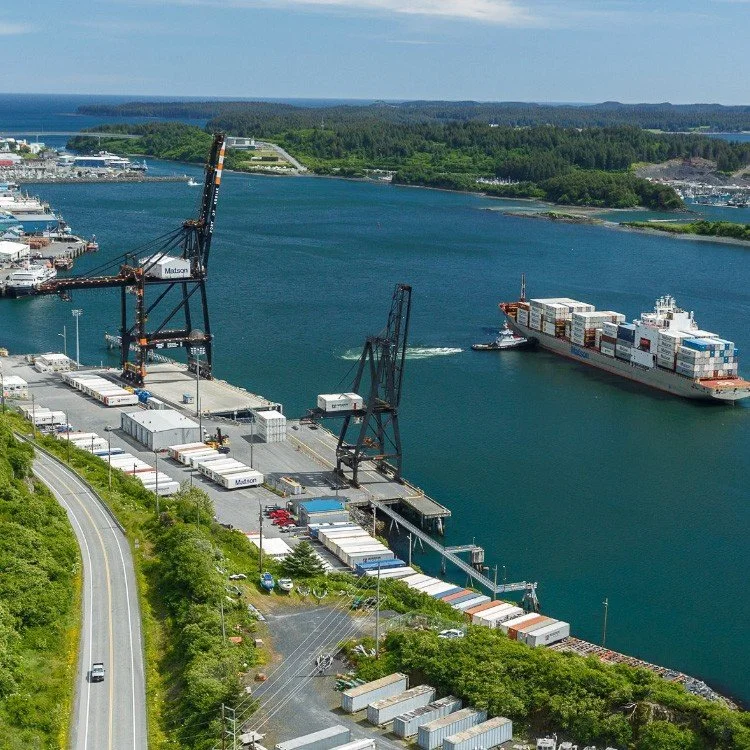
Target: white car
point(452, 633)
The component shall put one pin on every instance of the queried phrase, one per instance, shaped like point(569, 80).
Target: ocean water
point(591, 486)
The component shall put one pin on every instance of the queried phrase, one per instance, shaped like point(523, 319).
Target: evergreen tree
point(303, 562)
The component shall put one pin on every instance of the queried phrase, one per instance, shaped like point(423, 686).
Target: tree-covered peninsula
point(586, 167)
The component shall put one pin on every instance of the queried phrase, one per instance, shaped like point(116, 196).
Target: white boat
point(506, 339)
point(193, 183)
point(285, 584)
point(22, 281)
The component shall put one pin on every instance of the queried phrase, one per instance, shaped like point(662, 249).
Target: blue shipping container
point(626, 332)
point(361, 568)
point(321, 505)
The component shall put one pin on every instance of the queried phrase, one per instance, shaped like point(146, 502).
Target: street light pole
point(252, 440)
point(64, 335)
point(156, 488)
point(108, 430)
point(77, 314)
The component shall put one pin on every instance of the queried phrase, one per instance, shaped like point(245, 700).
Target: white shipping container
point(469, 603)
point(387, 709)
point(550, 634)
point(359, 697)
point(245, 479)
point(174, 450)
point(325, 739)
point(407, 724)
point(432, 734)
point(482, 736)
point(194, 459)
point(123, 399)
point(186, 457)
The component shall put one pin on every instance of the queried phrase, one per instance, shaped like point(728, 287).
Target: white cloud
point(503, 12)
point(12, 29)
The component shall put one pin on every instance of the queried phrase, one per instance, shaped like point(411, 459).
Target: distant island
point(441, 145)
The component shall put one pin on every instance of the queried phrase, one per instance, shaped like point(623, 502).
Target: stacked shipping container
point(707, 358)
point(271, 426)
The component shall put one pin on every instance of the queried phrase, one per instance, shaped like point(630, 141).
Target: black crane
point(179, 300)
point(374, 429)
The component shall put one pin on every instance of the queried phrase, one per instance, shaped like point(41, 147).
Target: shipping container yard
point(663, 349)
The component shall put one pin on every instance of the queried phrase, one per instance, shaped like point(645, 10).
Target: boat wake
point(412, 352)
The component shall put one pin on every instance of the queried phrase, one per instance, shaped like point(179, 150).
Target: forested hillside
point(38, 614)
point(664, 116)
point(564, 165)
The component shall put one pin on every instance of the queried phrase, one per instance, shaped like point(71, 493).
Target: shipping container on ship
point(663, 349)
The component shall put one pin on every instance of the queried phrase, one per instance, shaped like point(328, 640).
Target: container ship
point(664, 349)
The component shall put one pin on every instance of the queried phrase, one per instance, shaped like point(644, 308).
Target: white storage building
point(157, 430)
point(10, 251)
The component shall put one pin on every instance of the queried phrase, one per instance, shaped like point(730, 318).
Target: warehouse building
point(158, 429)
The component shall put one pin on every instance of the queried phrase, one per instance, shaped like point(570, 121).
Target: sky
point(491, 50)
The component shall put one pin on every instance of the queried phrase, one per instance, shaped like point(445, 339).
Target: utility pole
point(377, 616)
point(108, 430)
point(604, 627)
point(410, 549)
point(156, 489)
point(494, 590)
point(375, 522)
point(197, 382)
point(77, 314)
point(67, 434)
point(223, 728)
point(33, 415)
point(2, 386)
point(260, 524)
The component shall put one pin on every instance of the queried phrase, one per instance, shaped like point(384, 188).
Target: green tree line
point(703, 228)
point(581, 699)
point(664, 116)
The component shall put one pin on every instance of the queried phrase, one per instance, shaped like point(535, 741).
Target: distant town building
point(242, 144)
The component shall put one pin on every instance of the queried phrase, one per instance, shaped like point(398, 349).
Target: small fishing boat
point(267, 582)
point(193, 183)
point(285, 584)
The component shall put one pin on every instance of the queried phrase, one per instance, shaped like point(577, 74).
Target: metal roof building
point(157, 429)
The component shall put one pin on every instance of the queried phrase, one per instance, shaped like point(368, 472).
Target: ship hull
point(657, 377)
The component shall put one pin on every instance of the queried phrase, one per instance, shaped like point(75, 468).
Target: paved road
point(109, 715)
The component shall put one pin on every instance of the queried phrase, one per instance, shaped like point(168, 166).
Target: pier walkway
point(474, 574)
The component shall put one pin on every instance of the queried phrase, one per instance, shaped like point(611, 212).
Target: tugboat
point(506, 339)
point(267, 582)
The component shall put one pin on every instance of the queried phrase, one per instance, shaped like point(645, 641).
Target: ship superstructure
point(663, 348)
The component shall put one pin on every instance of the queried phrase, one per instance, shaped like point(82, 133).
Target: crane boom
point(192, 243)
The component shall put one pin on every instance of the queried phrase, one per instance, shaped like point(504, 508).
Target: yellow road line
point(109, 599)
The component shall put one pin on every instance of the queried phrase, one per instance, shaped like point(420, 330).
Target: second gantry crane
point(175, 268)
point(370, 431)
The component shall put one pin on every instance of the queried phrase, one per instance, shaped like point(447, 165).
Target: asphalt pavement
point(108, 715)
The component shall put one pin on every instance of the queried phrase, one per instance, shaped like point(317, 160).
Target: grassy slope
point(36, 712)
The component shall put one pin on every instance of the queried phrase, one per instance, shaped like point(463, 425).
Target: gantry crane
point(175, 299)
point(379, 379)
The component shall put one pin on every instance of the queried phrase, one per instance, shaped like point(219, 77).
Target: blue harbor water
point(588, 484)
